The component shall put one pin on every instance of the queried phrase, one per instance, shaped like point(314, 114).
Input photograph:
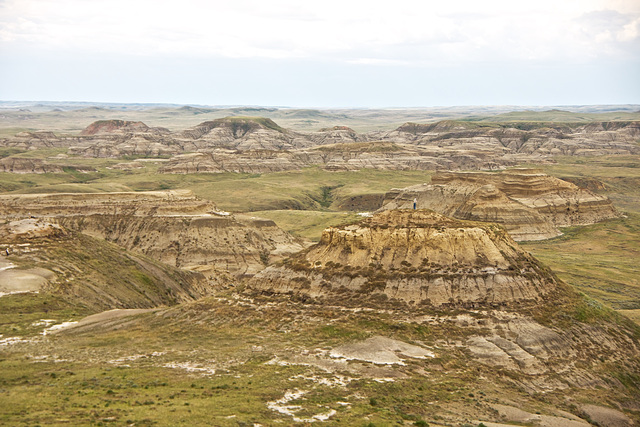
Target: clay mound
point(109, 126)
point(414, 256)
point(89, 273)
point(142, 203)
point(529, 204)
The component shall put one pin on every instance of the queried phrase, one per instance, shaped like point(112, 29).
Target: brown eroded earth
point(531, 205)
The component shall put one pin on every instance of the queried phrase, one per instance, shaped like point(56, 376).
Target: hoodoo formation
point(528, 203)
point(414, 256)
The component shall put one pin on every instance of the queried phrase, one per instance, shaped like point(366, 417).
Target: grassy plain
point(70, 119)
point(226, 361)
point(307, 189)
point(207, 362)
point(600, 260)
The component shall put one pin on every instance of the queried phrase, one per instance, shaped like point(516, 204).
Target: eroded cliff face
point(174, 227)
point(43, 257)
point(332, 157)
point(253, 143)
point(541, 139)
point(530, 204)
point(19, 165)
point(417, 257)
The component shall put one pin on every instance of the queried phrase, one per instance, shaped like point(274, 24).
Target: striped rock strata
point(413, 256)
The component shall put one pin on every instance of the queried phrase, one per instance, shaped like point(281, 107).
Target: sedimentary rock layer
point(174, 227)
point(415, 256)
point(530, 204)
point(443, 145)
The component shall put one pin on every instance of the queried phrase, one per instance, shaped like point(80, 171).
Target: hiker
point(415, 202)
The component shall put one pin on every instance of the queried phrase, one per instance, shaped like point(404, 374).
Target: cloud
point(402, 32)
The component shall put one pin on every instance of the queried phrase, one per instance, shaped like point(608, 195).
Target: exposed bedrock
point(414, 256)
point(530, 204)
point(174, 227)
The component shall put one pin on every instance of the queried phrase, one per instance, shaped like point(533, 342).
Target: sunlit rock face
point(528, 203)
point(416, 257)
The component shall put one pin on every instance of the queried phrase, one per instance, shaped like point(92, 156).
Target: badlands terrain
point(170, 265)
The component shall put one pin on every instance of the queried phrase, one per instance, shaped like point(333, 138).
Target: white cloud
point(375, 32)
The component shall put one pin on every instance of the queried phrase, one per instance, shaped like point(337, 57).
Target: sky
point(322, 54)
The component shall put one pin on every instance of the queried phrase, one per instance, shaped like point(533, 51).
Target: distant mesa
point(417, 257)
point(339, 129)
point(528, 203)
point(196, 110)
point(444, 145)
point(441, 126)
point(109, 126)
point(238, 126)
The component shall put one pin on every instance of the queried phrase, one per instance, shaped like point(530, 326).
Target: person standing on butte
point(415, 202)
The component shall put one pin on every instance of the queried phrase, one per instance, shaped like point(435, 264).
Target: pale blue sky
point(322, 53)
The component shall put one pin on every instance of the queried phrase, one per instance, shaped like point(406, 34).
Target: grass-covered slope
point(88, 275)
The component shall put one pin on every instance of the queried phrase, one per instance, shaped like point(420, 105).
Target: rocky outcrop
point(528, 203)
point(417, 257)
point(445, 145)
point(31, 228)
point(143, 203)
point(90, 273)
point(522, 139)
point(242, 133)
point(335, 157)
point(174, 227)
point(20, 165)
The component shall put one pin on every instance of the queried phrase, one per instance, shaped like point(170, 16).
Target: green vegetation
point(9, 151)
point(162, 370)
point(307, 224)
point(600, 260)
point(619, 174)
point(359, 147)
point(87, 282)
point(557, 116)
point(21, 314)
point(241, 122)
point(307, 189)
point(216, 361)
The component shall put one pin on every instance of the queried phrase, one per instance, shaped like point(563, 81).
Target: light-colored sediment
point(415, 256)
point(528, 203)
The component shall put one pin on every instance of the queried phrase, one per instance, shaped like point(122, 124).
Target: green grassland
point(308, 189)
point(306, 223)
point(74, 119)
point(137, 372)
point(601, 259)
point(305, 202)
